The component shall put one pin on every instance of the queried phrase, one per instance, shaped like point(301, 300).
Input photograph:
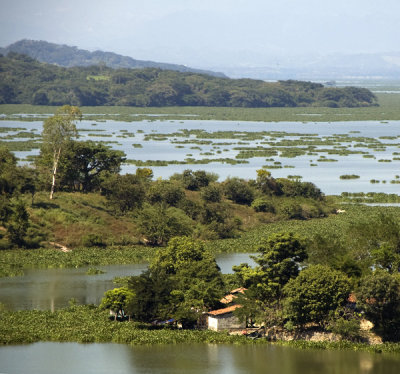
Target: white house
point(224, 319)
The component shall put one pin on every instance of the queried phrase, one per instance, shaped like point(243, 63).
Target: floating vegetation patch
point(94, 271)
point(349, 176)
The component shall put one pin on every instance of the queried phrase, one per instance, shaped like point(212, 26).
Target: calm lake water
point(53, 288)
point(73, 358)
point(325, 175)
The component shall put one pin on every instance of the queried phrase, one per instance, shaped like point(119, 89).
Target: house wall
point(224, 322)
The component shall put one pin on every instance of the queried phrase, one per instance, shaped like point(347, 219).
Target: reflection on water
point(53, 288)
point(73, 358)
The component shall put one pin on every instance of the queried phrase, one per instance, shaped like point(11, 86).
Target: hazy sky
point(207, 33)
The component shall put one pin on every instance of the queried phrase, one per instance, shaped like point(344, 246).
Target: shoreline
point(89, 324)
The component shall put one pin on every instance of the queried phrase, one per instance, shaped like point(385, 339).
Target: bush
point(238, 191)
point(211, 193)
point(263, 204)
point(348, 329)
point(315, 293)
point(290, 209)
point(92, 240)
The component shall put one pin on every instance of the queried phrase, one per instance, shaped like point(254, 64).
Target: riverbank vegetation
point(89, 324)
point(27, 81)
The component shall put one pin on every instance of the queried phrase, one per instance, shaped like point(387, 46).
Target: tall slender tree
point(57, 131)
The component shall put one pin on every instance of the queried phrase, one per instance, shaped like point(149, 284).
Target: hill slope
point(67, 56)
point(24, 80)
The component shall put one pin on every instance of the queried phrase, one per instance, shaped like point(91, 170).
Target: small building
point(224, 319)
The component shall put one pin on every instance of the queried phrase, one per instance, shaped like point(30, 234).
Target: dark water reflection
point(53, 288)
point(73, 358)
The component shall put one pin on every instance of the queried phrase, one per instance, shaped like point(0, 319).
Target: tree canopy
point(25, 80)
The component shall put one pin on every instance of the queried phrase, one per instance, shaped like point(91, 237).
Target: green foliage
point(183, 280)
point(348, 329)
point(124, 192)
point(278, 262)
point(379, 297)
point(377, 239)
point(92, 240)
point(296, 188)
point(25, 80)
point(89, 324)
point(314, 294)
point(158, 223)
point(84, 165)
point(167, 192)
point(238, 191)
point(117, 300)
point(263, 204)
point(18, 223)
point(211, 193)
point(194, 180)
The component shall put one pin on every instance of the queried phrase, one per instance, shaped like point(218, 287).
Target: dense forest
point(67, 56)
point(24, 80)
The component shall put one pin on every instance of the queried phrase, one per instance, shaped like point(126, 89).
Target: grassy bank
point(88, 324)
point(389, 109)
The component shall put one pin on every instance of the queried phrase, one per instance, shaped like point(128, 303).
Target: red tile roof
point(229, 298)
point(229, 309)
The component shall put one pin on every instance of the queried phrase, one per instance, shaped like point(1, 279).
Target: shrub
point(263, 204)
point(92, 240)
point(238, 191)
point(317, 291)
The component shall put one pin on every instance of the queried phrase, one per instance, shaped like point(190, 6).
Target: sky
point(208, 33)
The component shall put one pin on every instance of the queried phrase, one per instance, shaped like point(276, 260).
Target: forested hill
point(67, 56)
point(27, 81)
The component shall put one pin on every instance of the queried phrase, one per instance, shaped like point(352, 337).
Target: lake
point(53, 288)
point(164, 140)
point(74, 358)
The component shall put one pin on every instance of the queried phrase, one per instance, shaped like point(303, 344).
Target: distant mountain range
point(330, 67)
point(337, 66)
point(67, 56)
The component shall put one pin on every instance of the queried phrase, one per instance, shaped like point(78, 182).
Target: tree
point(377, 241)
point(85, 164)
point(159, 223)
point(124, 192)
point(18, 223)
point(58, 130)
point(211, 193)
point(117, 300)
point(317, 291)
point(266, 183)
point(238, 191)
point(183, 280)
point(379, 297)
point(278, 262)
point(168, 192)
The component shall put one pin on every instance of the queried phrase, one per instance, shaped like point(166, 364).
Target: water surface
point(73, 358)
